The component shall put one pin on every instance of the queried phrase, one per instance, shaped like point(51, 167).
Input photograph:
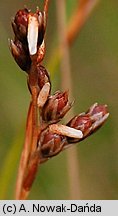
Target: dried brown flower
point(21, 55)
point(56, 107)
point(50, 144)
point(29, 29)
point(20, 25)
point(90, 121)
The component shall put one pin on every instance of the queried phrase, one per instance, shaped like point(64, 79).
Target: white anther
point(43, 95)
point(32, 36)
point(66, 131)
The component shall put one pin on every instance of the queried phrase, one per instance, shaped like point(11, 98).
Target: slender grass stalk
point(76, 23)
point(25, 154)
point(66, 83)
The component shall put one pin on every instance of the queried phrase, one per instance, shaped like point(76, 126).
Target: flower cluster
point(28, 49)
point(29, 45)
point(29, 30)
point(52, 143)
point(45, 135)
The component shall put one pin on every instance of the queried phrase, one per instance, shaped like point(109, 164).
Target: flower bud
point(21, 54)
point(98, 115)
point(20, 25)
point(95, 109)
point(56, 107)
point(51, 144)
point(81, 122)
point(90, 121)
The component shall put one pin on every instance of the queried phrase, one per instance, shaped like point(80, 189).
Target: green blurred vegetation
point(94, 64)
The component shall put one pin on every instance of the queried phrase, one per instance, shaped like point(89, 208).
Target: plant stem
point(72, 157)
point(46, 6)
point(30, 146)
point(25, 154)
point(79, 18)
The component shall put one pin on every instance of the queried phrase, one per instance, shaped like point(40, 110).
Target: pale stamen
point(43, 95)
point(32, 36)
point(66, 131)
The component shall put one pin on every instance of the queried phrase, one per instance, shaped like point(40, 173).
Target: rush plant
point(45, 136)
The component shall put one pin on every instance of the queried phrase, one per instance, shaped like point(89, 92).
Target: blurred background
point(94, 66)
